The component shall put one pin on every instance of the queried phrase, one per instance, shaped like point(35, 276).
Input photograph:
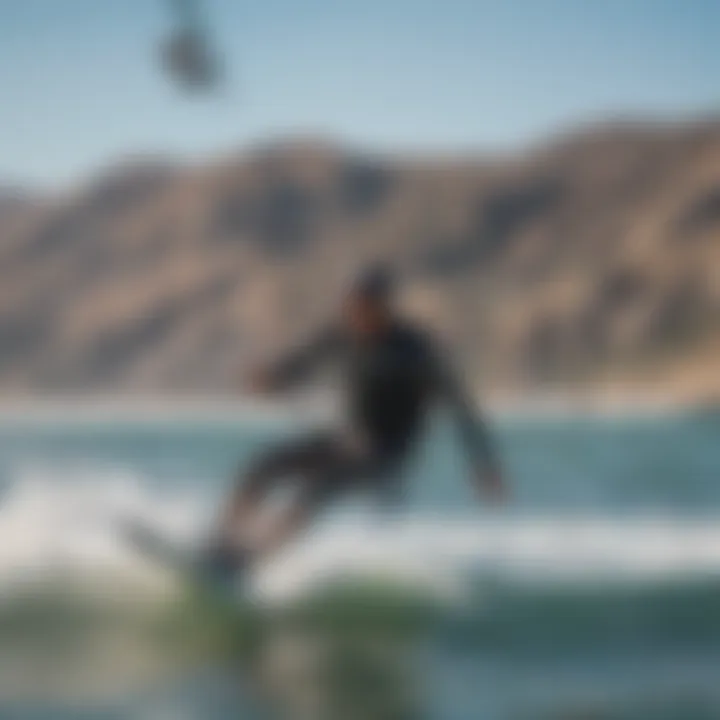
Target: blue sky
point(79, 85)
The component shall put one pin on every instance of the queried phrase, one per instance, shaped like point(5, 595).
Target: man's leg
point(291, 521)
point(254, 485)
point(336, 470)
point(304, 458)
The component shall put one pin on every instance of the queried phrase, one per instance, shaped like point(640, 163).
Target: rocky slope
point(593, 261)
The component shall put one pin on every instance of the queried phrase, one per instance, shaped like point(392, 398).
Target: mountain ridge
point(589, 261)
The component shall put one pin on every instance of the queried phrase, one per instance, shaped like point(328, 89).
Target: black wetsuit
point(390, 384)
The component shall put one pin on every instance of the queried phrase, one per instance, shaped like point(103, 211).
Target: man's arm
point(295, 367)
point(473, 430)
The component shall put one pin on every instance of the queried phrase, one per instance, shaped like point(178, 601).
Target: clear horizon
point(80, 84)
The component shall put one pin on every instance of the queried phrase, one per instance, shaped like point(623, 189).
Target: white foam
point(62, 522)
point(441, 554)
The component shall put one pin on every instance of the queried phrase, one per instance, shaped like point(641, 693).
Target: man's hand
point(493, 487)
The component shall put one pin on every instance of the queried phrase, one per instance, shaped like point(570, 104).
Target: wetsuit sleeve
point(295, 367)
point(471, 424)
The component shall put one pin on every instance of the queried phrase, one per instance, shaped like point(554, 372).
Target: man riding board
point(393, 373)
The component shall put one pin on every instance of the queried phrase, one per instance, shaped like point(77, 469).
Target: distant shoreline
point(212, 409)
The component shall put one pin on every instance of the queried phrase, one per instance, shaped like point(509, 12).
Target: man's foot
point(223, 565)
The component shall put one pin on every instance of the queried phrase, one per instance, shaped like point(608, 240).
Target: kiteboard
point(192, 565)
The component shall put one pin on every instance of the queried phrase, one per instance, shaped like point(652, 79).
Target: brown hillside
point(594, 258)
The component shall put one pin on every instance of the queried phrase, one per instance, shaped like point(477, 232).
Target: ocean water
point(595, 593)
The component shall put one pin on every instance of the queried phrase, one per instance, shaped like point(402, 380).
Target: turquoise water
point(594, 594)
